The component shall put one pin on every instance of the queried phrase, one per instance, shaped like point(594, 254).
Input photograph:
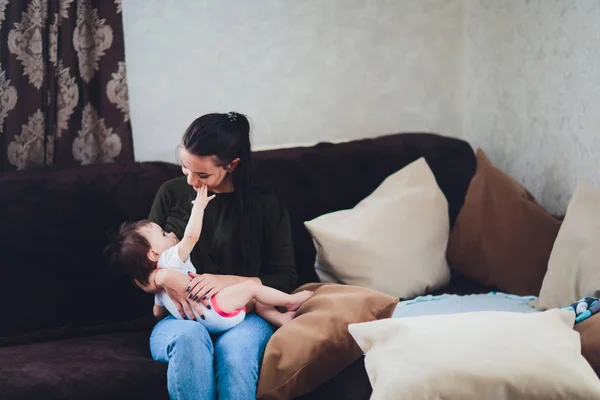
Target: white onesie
point(216, 320)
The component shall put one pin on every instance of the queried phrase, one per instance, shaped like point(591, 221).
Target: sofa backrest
point(54, 224)
point(53, 228)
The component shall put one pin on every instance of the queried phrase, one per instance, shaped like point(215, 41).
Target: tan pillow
point(589, 332)
point(393, 241)
point(479, 355)
point(502, 237)
point(316, 345)
point(574, 266)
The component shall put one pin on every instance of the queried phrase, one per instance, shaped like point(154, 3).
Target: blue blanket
point(452, 304)
point(493, 301)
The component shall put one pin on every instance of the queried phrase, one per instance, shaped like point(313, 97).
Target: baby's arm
point(194, 225)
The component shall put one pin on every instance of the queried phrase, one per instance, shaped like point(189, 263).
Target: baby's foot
point(297, 299)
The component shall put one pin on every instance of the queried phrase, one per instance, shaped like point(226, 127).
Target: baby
point(142, 246)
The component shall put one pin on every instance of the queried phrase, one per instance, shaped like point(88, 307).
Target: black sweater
point(219, 250)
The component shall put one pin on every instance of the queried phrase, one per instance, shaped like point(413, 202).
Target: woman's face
point(205, 171)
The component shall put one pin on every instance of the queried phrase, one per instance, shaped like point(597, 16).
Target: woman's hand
point(202, 287)
point(175, 284)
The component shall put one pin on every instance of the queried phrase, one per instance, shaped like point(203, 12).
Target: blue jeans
point(202, 367)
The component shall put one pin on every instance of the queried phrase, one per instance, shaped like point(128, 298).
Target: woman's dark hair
point(227, 137)
point(128, 251)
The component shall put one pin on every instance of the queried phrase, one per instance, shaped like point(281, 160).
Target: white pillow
point(574, 265)
point(474, 356)
point(393, 241)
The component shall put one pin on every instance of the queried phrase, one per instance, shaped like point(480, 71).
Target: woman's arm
point(279, 266)
point(204, 286)
point(279, 271)
point(280, 277)
point(174, 284)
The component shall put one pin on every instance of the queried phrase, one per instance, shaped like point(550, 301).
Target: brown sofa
point(74, 330)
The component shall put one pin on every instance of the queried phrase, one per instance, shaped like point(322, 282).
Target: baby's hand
point(201, 198)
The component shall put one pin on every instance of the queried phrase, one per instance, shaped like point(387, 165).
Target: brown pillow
point(589, 332)
point(502, 237)
point(316, 345)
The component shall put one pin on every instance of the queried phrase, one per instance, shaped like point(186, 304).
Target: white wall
point(303, 70)
point(532, 91)
point(519, 78)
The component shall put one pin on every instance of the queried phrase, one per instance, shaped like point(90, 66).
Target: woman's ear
point(233, 165)
point(153, 256)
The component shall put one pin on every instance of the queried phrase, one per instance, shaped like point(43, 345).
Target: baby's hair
point(128, 251)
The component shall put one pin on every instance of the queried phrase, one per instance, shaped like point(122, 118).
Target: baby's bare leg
point(237, 296)
point(271, 315)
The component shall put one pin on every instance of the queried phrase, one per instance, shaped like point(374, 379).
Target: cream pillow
point(574, 265)
point(393, 241)
point(480, 355)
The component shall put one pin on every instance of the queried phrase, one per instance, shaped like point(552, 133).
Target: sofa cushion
point(477, 355)
point(393, 241)
point(316, 345)
point(112, 366)
point(502, 237)
point(574, 266)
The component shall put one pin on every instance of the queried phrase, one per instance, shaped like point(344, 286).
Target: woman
point(246, 235)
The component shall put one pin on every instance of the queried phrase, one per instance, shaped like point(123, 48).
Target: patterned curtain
point(63, 86)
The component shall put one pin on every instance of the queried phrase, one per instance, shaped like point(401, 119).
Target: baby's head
point(137, 247)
